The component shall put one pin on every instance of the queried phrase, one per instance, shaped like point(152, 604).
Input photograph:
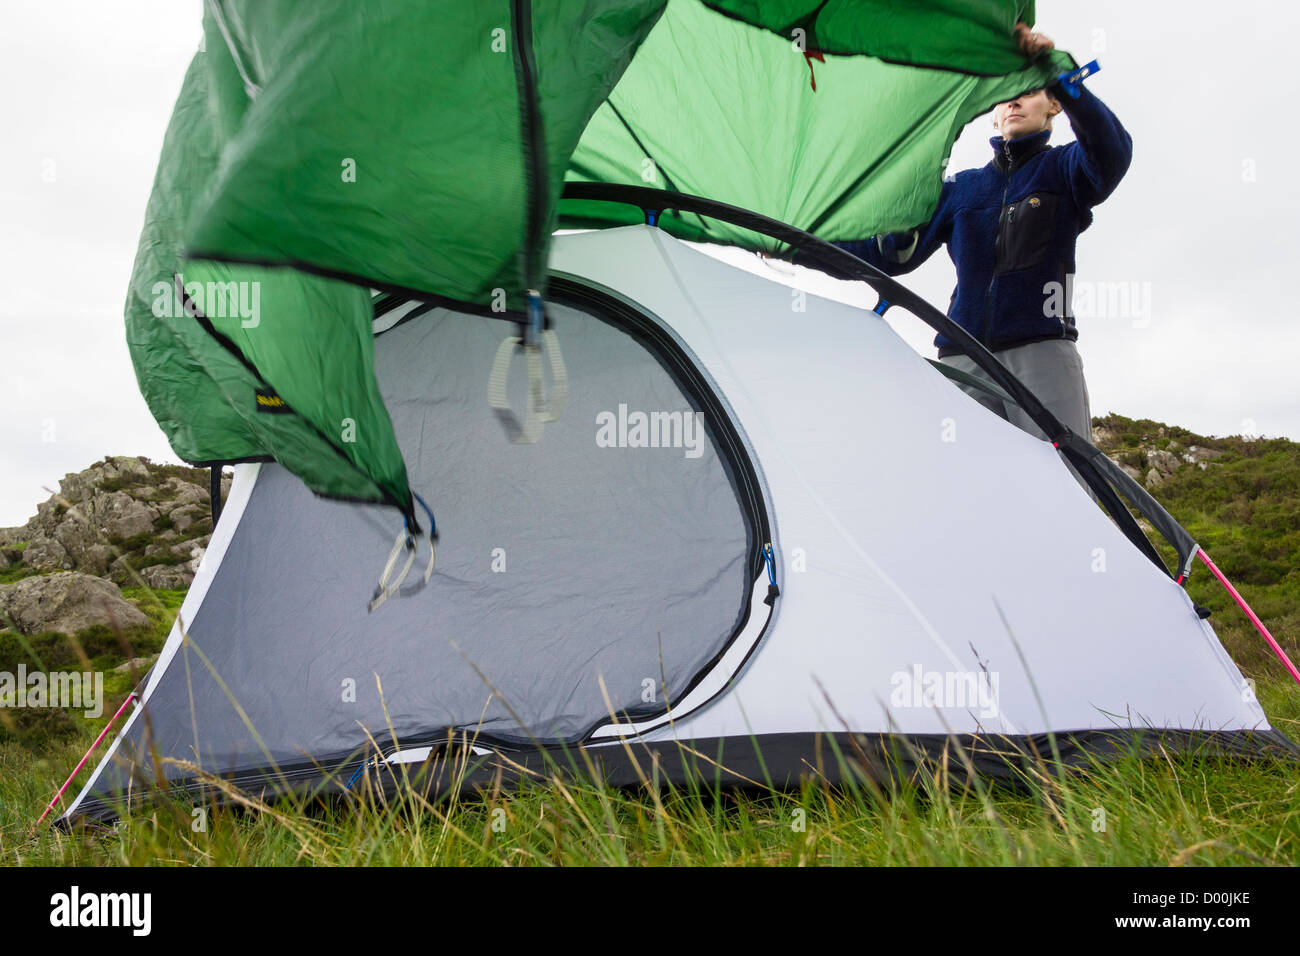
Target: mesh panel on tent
point(628, 565)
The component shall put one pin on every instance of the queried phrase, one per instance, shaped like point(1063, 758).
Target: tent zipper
point(532, 140)
point(988, 292)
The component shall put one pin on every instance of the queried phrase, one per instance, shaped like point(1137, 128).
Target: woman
point(1011, 228)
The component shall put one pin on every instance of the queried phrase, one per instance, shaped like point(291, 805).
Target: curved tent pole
point(1086, 458)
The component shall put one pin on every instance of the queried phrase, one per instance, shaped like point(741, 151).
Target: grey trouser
point(1052, 370)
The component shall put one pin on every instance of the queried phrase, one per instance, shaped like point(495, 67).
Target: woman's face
point(1025, 114)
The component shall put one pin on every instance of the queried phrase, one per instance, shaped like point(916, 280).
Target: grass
point(97, 649)
point(1168, 810)
point(1162, 811)
point(16, 572)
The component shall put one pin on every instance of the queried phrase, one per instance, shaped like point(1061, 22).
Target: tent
point(676, 505)
point(295, 175)
point(709, 549)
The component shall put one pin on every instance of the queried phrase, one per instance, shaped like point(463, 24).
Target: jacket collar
point(1008, 154)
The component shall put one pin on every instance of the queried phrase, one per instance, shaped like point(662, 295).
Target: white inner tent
point(937, 570)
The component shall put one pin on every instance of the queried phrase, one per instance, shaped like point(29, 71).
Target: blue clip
point(536, 316)
point(773, 592)
point(651, 216)
point(433, 525)
point(881, 306)
point(1071, 81)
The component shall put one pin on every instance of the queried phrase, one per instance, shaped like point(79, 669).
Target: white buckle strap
point(540, 411)
point(384, 590)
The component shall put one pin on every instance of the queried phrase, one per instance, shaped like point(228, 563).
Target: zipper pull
point(769, 559)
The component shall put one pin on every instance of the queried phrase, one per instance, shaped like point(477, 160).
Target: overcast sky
point(1203, 230)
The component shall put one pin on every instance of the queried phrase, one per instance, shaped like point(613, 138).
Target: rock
point(1102, 436)
point(95, 558)
point(184, 519)
point(86, 548)
point(1166, 463)
point(140, 664)
point(82, 485)
point(120, 515)
point(67, 602)
point(118, 499)
point(167, 576)
point(189, 549)
point(182, 493)
point(1154, 479)
point(46, 554)
point(1127, 469)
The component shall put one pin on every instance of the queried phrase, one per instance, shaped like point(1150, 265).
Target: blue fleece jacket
point(1011, 227)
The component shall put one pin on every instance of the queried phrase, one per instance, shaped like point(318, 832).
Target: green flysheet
point(320, 150)
point(241, 362)
point(717, 108)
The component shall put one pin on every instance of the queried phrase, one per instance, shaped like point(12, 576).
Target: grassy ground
point(1245, 511)
point(1161, 811)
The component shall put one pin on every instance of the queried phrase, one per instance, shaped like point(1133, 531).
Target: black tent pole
point(214, 493)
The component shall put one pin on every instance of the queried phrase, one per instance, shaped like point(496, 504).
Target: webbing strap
point(384, 590)
point(539, 411)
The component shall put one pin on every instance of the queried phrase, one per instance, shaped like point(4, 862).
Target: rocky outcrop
point(167, 576)
point(1198, 455)
point(68, 602)
point(137, 664)
point(1163, 465)
point(1151, 453)
point(124, 518)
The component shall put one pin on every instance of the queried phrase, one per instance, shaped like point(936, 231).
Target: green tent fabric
point(969, 36)
point(724, 110)
point(318, 150)
point(259, 362)
point(389, 142)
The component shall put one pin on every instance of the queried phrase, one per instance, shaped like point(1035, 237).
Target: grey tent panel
point(561, 564)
